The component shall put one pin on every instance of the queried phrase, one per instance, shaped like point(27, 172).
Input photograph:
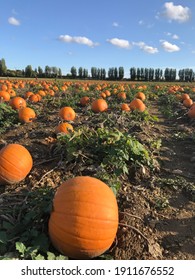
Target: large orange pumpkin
point(15, 163)
point(67, 113)
point(137, 104)
point(84, 220)
point(99, 105)
point(26, 115)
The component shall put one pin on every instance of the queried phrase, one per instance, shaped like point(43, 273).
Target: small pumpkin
point(99, 105)
point(125, 107)
point(67, 113)
point(15, 163)
point(84, 101)
point(26, 115)
point(84, 220)
point(65, 128)
point(122, 95)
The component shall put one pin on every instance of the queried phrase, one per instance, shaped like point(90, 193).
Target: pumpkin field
point(124, 151)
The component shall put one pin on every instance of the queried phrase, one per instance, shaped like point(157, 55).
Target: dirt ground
point(157, 214)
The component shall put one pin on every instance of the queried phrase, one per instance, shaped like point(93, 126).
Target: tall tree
point(28, 72)
point(121, 73)
point(73, 72)
point(85, 73)
point(47, 71)
point(93, 72)
point(40, 72)
point(138, 74)
point(80, 72)
point(133, 73)
point(3, 67)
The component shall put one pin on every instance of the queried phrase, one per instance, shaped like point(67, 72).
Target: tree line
point(113, 73)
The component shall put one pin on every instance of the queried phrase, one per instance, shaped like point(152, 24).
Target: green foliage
point(108, 153)
point(8, 117)
point(24, 226)
point(167, 105)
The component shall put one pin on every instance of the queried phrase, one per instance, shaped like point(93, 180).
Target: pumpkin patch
point(93, 169)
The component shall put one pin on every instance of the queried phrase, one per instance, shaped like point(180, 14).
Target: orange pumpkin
point(140, 95)
point(35, 98)
point(137, 104)
point(125, 107)
point(84, 101)
point(191, 112)
point(26, 115)
point(15, 163)
point(67, 113)
point(17, 102)
point(187, 102)
point(4, 96)
point(99, 105)
point(64, 128)
point(122, 95)
point(185, 96)
point(84, 220)
point(28, 94)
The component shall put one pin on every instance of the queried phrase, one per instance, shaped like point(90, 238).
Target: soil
point(157, 217)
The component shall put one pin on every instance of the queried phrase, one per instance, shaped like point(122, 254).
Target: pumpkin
point(187, 102)
point(67, 113)
point(64, 128)
point(28, 94)
point(122, 95)
point(84, 101)
point(26, 115)
point(185, 96)
point(191, 112)
point(17, 102)
point(15, 163)
point(84, 220)
point(137, 104)
point(99, 105)
point(35, 98)
point(4, 96)
point(140, 95)
point(125, 107)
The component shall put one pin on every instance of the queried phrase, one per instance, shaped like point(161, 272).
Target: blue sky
point(101, 33)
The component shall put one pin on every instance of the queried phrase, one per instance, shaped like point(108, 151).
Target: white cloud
point(121, 43)
point(168, 47)
point(77, 40)
point(13, 21)
point(115, 24)
point(173, 36)
point(141, 22)
point(146, 48)
point(176, 12)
